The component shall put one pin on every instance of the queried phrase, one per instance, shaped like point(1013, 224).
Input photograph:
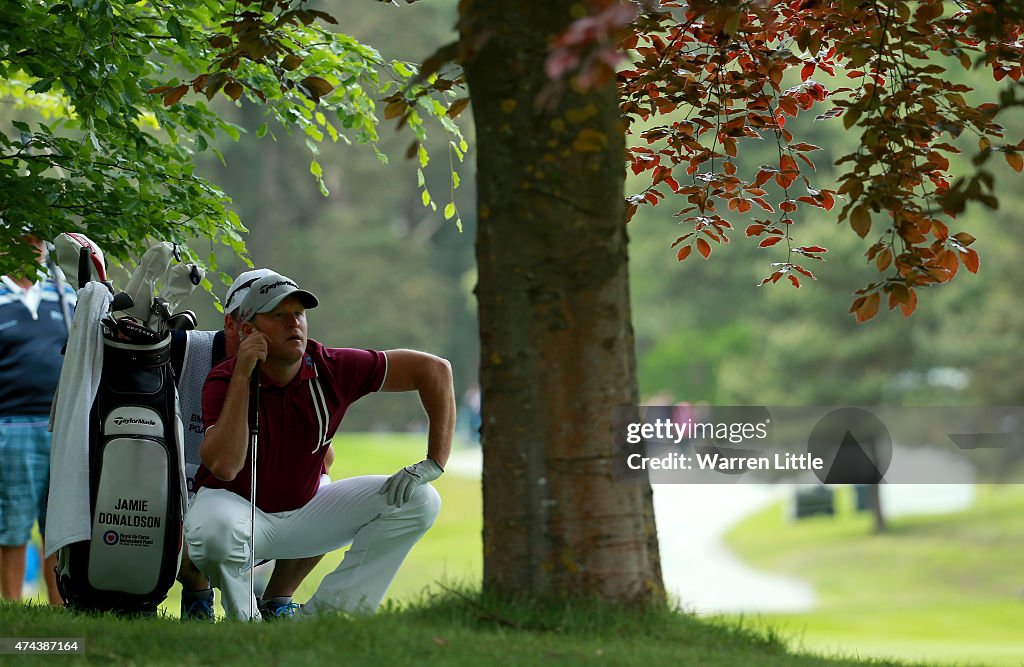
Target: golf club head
point(159, 315)
point(134, 332)
point(142, 285)
point(122, 301)
point(180, 283)
point(183, 321)
point(69, 248)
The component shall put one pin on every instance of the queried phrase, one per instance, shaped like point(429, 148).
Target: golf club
point(179, 283)
point(142, 285)
point(159, 315)
point(183, 321)
point(58, 280)
point(254, 429)
point(80, 259)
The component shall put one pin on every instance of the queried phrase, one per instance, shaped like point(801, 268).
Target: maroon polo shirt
point(293, 426)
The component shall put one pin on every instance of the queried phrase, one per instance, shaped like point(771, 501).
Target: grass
point(943, 588)
point(450, 552)
point(940, 587)
point(451, 630)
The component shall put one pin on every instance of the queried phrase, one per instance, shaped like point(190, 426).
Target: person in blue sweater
point(32, 333)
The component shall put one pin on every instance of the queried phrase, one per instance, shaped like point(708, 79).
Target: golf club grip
point(254, 400)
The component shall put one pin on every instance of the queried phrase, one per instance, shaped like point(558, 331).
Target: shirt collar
point(308, 369)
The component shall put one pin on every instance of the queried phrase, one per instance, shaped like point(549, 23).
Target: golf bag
point(136, 486)
point(136, 478)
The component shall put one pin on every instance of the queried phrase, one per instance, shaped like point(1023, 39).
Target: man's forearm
point(438, 397)
point(225, 445)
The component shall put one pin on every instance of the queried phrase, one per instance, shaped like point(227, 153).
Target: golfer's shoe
point(197, 605)
point(275, 609)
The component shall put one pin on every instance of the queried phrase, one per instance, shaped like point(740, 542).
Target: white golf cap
point(241, 286)
point(270, 290)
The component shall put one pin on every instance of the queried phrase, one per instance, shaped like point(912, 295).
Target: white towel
point(68, 513)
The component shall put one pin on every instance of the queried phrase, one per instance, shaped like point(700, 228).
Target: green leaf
point(316, 169)
point(449, 211)
point(175, 30)
point(425, 197)
point(42, 85)
point(314, 132)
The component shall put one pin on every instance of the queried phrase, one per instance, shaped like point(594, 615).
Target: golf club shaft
point(254, 429)
point(58, 282)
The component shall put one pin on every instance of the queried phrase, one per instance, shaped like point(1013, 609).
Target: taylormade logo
point(272, 286)
point(133, 421)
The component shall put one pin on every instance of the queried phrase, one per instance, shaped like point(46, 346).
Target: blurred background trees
point(704, 331)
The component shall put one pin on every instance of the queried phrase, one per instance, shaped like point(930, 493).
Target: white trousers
point(349, 511)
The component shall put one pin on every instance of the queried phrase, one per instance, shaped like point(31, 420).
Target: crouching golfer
point(305, 389)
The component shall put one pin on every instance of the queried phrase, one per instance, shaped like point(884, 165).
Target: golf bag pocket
point(136, 484)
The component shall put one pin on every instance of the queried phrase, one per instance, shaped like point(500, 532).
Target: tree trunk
point(876, 508)
point(557, 352)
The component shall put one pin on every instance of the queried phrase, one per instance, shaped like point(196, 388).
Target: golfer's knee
point(217, 539)
point(427, 503)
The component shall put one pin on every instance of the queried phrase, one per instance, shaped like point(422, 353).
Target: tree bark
point(557, 349)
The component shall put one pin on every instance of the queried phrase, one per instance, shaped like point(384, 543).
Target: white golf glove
point(399, 487)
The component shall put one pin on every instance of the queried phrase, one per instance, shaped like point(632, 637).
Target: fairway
point(942, 587)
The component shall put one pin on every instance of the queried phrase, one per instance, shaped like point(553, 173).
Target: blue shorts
point(24, 477)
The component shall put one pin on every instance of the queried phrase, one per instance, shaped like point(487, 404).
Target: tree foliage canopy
point(702, 76)
point(117, 97)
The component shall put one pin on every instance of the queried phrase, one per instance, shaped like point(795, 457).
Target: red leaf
point(755, 230)
point(317, 87)
point(964, 238)
point(806, 71)
point(939, 160)
point(883, 259)
point(684, 252)
point(175, 95)
point(457, 107)
point(869, 308)
point(908, 308)
point(763, 176)
point(860, 220)
point(807, 160)
point(804, 271)
point(770, 241)
point(793, 279)
point(971, 260)
point(704, 248)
